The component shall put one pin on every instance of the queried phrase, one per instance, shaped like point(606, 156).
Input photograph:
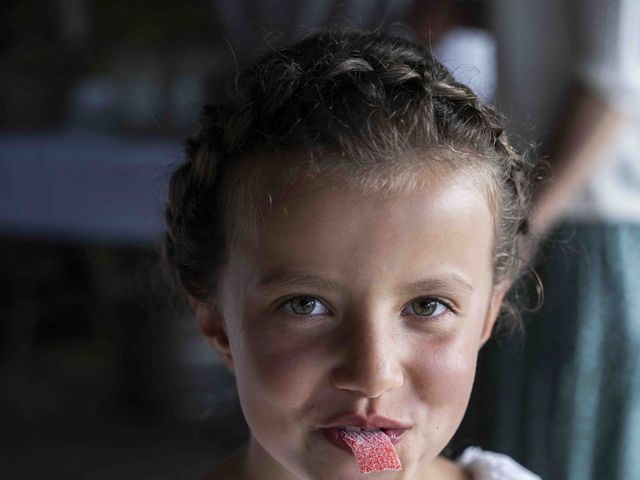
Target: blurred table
point(83, 187)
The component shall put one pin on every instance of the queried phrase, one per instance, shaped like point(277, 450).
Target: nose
point(370, 363)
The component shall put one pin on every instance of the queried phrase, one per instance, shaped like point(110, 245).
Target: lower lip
point(334, 437)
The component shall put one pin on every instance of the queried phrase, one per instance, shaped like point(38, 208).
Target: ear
point(212, 324)
point(497, 296)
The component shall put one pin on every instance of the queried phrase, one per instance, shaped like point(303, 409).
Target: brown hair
point(353, 102)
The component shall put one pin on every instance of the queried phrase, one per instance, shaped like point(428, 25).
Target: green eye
point(428, 307)
point(303, 305)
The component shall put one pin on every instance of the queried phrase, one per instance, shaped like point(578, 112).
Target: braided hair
point(346, 100)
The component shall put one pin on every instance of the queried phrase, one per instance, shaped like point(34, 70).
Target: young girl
point(346, 227)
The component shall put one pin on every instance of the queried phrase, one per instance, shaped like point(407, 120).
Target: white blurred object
point(486, 465)
point(470, 56)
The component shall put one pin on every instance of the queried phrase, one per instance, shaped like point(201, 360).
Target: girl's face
point(352, 305)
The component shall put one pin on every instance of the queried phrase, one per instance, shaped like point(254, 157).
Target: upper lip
point(373, 422)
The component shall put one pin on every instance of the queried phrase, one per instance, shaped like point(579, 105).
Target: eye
point(428, 307)
point(305, 306)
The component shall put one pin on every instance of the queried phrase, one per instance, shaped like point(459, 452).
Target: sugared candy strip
point(374, 451)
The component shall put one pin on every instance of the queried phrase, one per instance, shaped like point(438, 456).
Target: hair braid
point(364, 100)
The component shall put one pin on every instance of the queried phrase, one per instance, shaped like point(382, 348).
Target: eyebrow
point(280, 279)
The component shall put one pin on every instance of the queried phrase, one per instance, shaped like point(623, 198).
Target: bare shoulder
point(231, 468)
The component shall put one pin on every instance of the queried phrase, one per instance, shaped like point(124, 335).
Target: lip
point(332, 434)
point(373, 422)
point(393, 429)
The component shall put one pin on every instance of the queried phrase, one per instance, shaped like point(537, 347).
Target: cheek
point(449, 364)
point(445, 378)
point(278, 370)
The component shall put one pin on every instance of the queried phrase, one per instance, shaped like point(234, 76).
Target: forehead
point(339, 232)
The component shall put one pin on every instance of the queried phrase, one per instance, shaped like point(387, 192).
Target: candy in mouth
point(373, 450)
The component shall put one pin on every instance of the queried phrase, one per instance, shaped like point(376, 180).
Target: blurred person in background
point(569, 77)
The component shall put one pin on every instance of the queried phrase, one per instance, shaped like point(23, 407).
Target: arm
point(607, 95)
point(588, 128)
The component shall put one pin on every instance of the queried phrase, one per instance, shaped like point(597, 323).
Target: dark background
point(102, 371)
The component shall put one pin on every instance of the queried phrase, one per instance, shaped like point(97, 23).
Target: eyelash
point(449, 308)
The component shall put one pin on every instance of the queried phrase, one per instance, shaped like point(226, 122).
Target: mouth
point(334, 436)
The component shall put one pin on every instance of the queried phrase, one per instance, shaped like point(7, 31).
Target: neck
point(260, 465)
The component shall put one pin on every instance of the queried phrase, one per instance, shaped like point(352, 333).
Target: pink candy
point(374, 451)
